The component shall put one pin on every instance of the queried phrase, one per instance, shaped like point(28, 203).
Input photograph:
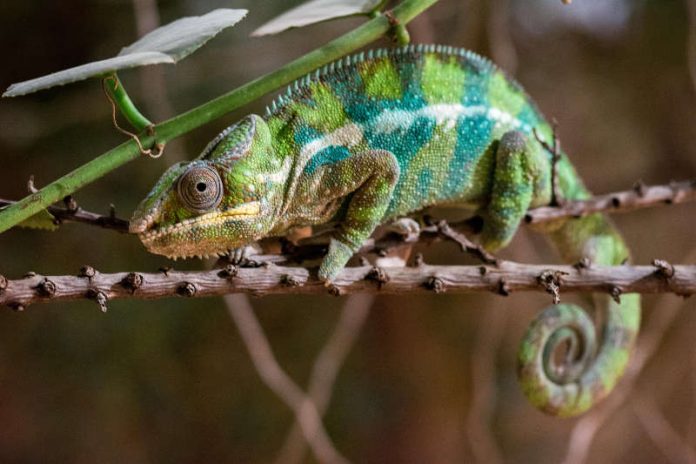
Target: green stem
point(118, 94)
point(207, 112)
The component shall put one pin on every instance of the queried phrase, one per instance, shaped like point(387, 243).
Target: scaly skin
point(373, 138)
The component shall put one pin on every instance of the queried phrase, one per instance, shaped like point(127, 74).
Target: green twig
point(207, 112)
point(120, 98)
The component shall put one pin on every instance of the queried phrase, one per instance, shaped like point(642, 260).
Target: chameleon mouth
point(243, 211)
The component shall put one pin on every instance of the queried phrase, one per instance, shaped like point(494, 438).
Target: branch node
point(99, 297)
point(186, 289)
point(71, 204)
point(664, 268)
point(584, 263)
point(229, 272)
point(503, 288)
point(334, 290)
point(46, 288)
point(418, 260)
point(133, 281)
point(16, 307)
point(615, 202)
point(551, 281)
point(378, 275)
point(288, 280)
point(615, 293)
point(87, 271)
point(3, 284)
point(640, 188)
point(483, 270)
point(435, 284)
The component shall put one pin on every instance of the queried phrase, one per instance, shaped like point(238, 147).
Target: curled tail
point(570, 383)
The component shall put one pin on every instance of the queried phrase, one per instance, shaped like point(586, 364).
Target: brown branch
point(270, 279)
point(73, 213)
point(641, 196)
point(325, 370)
point(279, 382)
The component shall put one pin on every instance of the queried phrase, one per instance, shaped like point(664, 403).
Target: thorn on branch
point(615, 293)
point(503, 288)
point(133, 281)
point(584, 263)
point(551, 281)
point(334, 290)
point(71, 204)
point(418, 260)
point(639, 187)
point(229, 272)
point(99, 297)
point(378, 275)
point(87, 271)
point(664, 268)
point(165, 270)
point(17, 307)
point(186, 289)
point(435, 284)
point(46, 288)
point(288, 280)
point(29, 275)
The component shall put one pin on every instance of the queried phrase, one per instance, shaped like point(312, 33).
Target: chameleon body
point(375, 137)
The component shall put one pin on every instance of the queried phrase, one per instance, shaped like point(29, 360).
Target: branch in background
point(641, 196)
point(73, 213)
point(279, 382)
point(271, 279)
point(325, 370)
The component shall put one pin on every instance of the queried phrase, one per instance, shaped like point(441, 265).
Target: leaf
point(41, 220)
point(316, 11)
point(167, 44)
point(186, 35)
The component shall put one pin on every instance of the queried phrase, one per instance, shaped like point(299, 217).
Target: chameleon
point(377, 137)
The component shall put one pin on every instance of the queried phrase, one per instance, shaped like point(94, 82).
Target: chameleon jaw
point(153, 239)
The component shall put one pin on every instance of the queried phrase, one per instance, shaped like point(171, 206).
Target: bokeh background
point(430, 379)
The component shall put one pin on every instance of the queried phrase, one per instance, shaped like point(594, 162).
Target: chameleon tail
point(587, 373)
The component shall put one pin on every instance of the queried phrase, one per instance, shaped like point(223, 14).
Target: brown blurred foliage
point(431, 379)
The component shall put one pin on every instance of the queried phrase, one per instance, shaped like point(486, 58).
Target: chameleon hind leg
point(518, 182)
point(369, 178)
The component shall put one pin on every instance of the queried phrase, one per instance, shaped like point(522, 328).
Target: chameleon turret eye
point(200, 188)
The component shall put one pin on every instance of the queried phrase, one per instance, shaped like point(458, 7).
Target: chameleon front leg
point(518, 181)
point(370, 177)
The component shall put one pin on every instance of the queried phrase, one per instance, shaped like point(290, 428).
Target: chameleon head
point(224, 199)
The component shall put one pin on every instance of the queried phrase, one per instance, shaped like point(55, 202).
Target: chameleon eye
point(200, 188)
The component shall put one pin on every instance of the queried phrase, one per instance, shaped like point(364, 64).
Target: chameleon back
point(438, 109)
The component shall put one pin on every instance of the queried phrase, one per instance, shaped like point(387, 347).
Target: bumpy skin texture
point(375, 137)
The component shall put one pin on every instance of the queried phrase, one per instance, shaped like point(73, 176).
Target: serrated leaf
point(186, 35)
point(316, 11)
point(41, 220)
point(85, 71)
point(167, 44)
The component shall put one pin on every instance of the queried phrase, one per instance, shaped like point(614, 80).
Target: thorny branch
point(640, 196)
point(503, 279)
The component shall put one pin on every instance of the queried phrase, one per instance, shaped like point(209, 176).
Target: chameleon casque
point(374, 137)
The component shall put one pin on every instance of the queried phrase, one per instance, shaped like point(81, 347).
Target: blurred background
point(429, 378)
